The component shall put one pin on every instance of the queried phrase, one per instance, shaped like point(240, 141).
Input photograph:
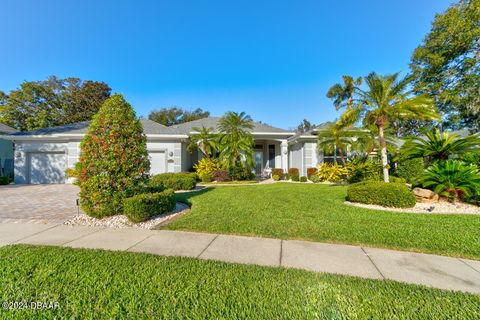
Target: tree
point(236, 142)
point(386, 99)
point(334, 138)
point(305, 126)
point(52, 102)
point(447, 65)
point(205, 139)
point(176, 115)
point(342, 94)
point(113, 161)
point(438, 146)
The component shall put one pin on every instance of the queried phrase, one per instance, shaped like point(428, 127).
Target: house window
point(271, 156)
point(333, 155)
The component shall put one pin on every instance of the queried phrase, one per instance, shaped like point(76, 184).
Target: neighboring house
point(42, 156)
point(6, 151)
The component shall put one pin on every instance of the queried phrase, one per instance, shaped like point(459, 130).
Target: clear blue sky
point(273, 59)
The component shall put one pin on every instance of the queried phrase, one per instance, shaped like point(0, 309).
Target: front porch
point(269, 154)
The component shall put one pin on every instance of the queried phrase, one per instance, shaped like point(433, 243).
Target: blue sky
point(273, 59)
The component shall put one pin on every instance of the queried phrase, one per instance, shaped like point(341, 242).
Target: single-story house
point(6, 151)
point(43, 155)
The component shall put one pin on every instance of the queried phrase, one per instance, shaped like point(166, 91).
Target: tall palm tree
point(436, 145)
point(205, 139)
point(343, 94)
point(236, 142)
point(387, 98)
point(335, 139)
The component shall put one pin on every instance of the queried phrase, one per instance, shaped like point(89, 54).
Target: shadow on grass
point(185, 197)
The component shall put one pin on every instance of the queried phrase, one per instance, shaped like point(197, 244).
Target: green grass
point(94, 284)
point(317, 213)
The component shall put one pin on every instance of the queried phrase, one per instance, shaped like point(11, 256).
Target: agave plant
point(452, 179)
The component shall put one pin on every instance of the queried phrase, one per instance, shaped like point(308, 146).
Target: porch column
point(284, 154)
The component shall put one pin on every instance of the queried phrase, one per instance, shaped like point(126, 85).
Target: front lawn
point(317, 213)
point(94, 284)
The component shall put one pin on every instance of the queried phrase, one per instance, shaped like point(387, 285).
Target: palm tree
point(436, 145)
point(236, 142)
point(342, 95)
point(387, 99)
point(205, 139)
point(335, 138)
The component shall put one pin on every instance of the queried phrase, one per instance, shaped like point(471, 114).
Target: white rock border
point(441, 207)
point(122, 222)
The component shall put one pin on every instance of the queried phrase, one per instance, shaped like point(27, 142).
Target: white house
point(43, 155)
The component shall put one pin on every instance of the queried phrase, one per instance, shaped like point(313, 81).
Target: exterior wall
point(296, 157)
point(6, 152)
point(311, 157)
point(173, 152)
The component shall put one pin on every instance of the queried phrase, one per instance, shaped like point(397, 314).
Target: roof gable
point(6, 129)
point(212, 122)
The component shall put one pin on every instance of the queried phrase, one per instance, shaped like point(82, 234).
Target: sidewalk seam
point(208, 245)
point(371, 260)
point(281, 253)
point(85, 235)
point(467, 264)
point(138, 242)
point(34, 234)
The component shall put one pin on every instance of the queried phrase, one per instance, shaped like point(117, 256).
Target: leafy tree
point(436, 145)
point(52, 102)
point(113, 161)
point(343, 94)
point(305, 126)
point(176, 115)
point(236, 142)
point(334, 138)
point(205, 139)
point(447, 66)
point(386, 98)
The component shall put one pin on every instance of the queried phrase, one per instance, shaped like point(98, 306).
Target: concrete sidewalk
point(430, 270)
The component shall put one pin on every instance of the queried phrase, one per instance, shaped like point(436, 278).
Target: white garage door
point(47, 167)
point(158, 162)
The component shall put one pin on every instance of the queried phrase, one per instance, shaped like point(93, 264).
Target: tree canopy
point(446, 66)
point(52, 102)
point(176, 115)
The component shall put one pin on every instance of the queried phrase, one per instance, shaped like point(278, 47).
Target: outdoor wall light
point(170, 154)
point(285, 151)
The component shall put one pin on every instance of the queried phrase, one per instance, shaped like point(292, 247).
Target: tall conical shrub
point(114, 161)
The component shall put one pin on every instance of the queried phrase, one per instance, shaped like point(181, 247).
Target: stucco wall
point(296, 157)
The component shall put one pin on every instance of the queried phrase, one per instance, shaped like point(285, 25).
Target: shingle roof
point(187, 127)
point(6, 129)
point(149, 127)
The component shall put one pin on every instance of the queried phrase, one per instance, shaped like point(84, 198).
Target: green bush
point(410, 169)
point(5, 180)
point(311, 172)
point(314, 178)
point(276, 177)
point(175, 181)
point(397, 179)
point(144, 206)
point(303, 179)
point(277, 172)
point(331, 172)
point(113, 161)
point(205, 168)
point(363, 169)
point(294, 174)
point(385, 194)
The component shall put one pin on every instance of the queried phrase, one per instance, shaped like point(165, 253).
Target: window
point(271, 156)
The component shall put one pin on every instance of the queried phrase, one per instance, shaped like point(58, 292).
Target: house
point(43, 155)
point(6, 151)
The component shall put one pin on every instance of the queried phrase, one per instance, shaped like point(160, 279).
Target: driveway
point(52, 203)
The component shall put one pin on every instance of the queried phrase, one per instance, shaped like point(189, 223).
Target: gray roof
point(187, 127)
point(149, 127)
point(6, 129)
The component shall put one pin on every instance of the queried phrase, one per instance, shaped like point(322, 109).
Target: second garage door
point(47, 167)
point(158, 162)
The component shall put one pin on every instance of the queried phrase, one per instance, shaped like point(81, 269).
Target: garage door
point(158, 162)
point(47, 167)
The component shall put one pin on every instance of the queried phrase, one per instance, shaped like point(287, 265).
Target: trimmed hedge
point(277, 172)
point(303, 179)
point(294, 174)
point(175, 181)
point(311, 172)
point(144, 206)
point(410, 169)
point(395, 195)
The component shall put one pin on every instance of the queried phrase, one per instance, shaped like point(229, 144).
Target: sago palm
point(387, 98)
point(436, 145)
point(205, 139)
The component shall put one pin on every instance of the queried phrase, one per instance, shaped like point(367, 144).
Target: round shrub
point(205, 168)
point(395, 195)
point(4, 180)
point(277, 172)
point(314, 178)
point(410, 169)
point(113, 161)
point(175, 181)
point(311, 172)
point(144, 206)
point(221, 175)
point(397, 179)
point(276, 177)
point(303, 179)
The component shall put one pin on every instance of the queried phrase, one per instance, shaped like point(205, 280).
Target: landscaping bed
point(440, 207)
point(107, 285)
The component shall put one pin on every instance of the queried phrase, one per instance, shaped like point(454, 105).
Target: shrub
point(113, 161)
point(472, 157)
point(303, 179)
point(385, 194)
point(331, 172)
point(311, 172)
point(240, 172)
point(207, 178)
point(144, 206)
point(276, 177)
point(363, 169)
point(453, 179)
point(220, 175)
point(397, 179)
point(175, 181)
point(314, 178)
point(206, 166)
point(410, 169)
point(277, 172)
point(293, 174)
point(4, 180)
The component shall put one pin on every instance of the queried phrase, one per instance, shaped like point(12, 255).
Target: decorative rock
point(423, 193)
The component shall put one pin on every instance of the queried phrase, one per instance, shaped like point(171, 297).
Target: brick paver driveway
point(53, 203)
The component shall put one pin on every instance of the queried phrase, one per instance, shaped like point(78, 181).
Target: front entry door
point(258, 162)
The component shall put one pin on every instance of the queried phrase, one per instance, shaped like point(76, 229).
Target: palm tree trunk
point(383, 146)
